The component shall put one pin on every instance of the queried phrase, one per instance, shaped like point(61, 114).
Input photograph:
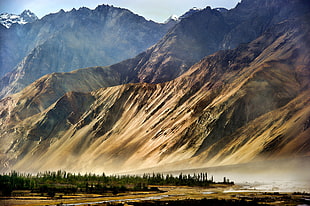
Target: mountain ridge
point(7, 20)
point(164, 62)
point(77, 39)
point(260, 88)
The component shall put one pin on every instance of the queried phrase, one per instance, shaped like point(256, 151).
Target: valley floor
point(172, 195)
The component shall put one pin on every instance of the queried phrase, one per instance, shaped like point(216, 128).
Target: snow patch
point(172, 18)
point(25, 17)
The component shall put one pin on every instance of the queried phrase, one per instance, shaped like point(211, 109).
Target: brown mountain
point(199, 34)
point(118, 34)
point(235, 106)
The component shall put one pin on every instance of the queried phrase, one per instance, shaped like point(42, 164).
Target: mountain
point(25, 17)
point(174, 18)
point(234, 106)
point(76, 39)
point(220, 9)
point(189, 13)
point(207, 31)
point(199, 34)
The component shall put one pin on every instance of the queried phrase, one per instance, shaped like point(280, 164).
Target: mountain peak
point(190, 12)
point(25, 17)
point(28, 16)
point(172, 18)
point(27, 12)
point(103, 7)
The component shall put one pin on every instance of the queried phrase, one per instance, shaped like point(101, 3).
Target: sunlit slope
point(100, 37)
point(250, 103)
point(196, 36)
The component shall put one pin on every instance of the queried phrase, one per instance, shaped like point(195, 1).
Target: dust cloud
point(284, 175)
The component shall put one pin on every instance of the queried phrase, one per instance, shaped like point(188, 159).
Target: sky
point(156, 10)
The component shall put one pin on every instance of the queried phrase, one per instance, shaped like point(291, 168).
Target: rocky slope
point(207, 31)
point(199, 34)
point(235, 106)
point(66, 41)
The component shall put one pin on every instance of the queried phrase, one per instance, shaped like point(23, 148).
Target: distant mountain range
point(218, 88)
point(66, 41)
point(25, 17)
point(206, 32)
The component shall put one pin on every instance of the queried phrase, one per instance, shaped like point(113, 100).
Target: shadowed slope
point(66, 41)
point(194, 37)
point(113, 31)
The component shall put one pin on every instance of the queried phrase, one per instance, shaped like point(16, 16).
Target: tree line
point(52, 182)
